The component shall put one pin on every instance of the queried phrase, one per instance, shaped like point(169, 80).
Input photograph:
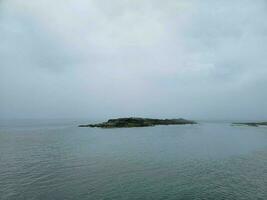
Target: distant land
point(251, 124)
point(138, 122)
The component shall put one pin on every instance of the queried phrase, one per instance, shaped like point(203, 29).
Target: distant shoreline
point(255, 124)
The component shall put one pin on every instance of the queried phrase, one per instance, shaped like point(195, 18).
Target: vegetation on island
point(138, 122)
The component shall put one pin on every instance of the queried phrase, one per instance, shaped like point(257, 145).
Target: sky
point(149, 58)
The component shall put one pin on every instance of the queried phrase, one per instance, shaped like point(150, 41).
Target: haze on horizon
point(151, 58)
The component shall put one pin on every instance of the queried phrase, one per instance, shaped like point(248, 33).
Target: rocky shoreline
point(256, 124)
point(138, 122)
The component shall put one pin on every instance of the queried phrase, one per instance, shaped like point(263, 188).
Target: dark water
point(57, 160)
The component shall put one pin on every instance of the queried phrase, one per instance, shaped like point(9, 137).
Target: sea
point(56, 160)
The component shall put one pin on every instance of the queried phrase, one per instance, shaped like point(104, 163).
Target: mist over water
point(58, 160)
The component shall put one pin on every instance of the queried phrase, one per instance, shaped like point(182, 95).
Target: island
point(256, 124)
point(138, 122)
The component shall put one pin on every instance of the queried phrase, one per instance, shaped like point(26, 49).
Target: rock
point(256, 124)
point(138, 122)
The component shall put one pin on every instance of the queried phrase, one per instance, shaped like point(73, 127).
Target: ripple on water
point(208, 161)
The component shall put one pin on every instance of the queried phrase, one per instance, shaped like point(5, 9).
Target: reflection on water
point(57, 160)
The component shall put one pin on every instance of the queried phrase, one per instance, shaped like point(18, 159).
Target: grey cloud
point(197, 59)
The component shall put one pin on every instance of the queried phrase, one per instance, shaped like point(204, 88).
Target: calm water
point(57, 160)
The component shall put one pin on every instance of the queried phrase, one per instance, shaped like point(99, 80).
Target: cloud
point(201, 59)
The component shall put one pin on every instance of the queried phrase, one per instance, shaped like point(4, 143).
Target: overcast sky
point(151, 58)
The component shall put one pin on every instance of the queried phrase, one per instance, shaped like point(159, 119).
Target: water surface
point(54, 159)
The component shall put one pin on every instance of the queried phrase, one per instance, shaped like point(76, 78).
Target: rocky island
point(256, 124)
point(138, 122)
